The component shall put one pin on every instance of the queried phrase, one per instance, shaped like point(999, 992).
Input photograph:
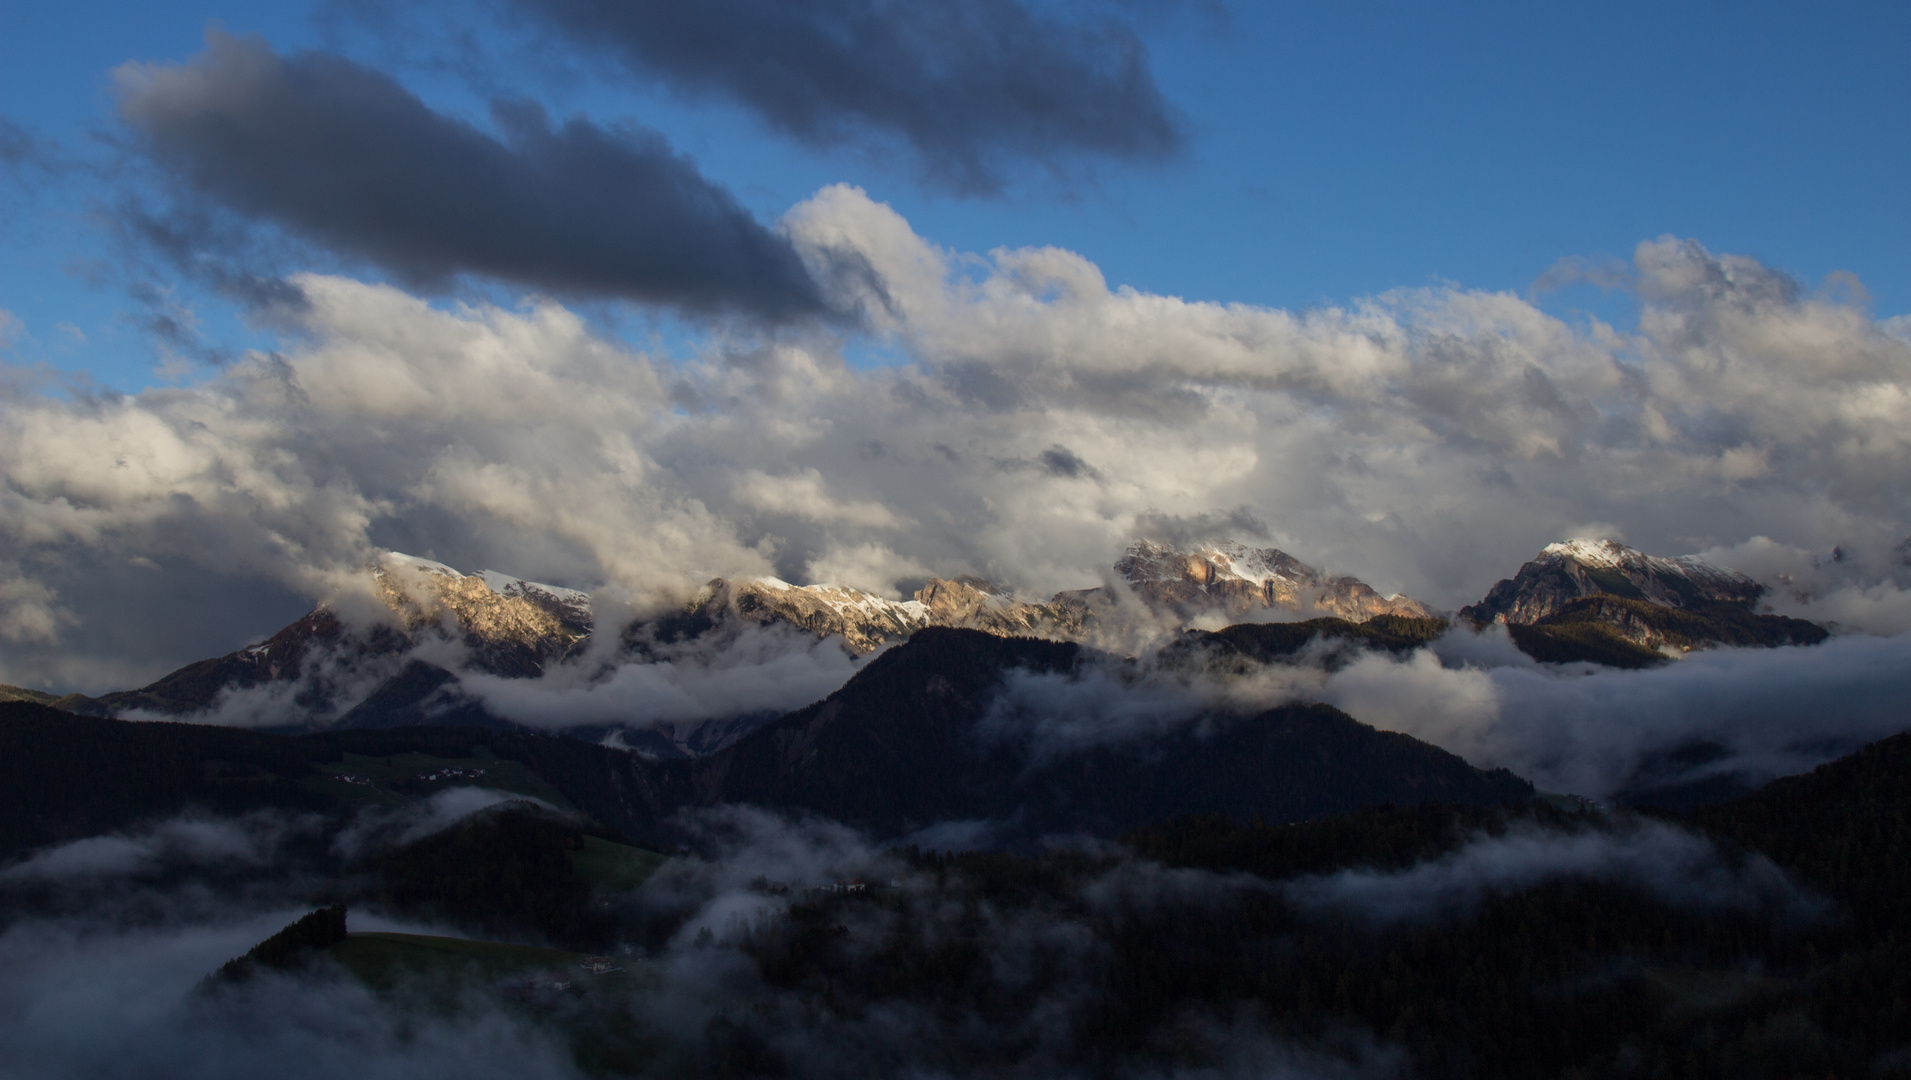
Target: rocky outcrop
point(1567, 571)
point(863, 621)
point(975, 604)
point(512, 634)
point(1234, 582)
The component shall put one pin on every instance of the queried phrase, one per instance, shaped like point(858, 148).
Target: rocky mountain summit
point(506, 626)
point(513, 627)
point(1236, 581)
point(863, 621)
point(1573, 569)
point(1602, 602)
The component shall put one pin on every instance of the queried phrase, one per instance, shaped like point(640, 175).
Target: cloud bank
point(62, 978)
point(1678, 867)
point(1748, 715)
point(1724, 719)
point(772, 669)
point(1426, 440)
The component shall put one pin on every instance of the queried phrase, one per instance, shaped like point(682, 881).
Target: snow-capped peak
point(569, 605)
point(1149, 561)
point(1589, 550)
point(1612, 554)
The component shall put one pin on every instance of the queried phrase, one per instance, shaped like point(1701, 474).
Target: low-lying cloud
point(190, 841)
point(378, 827)
point(79, 1000)
point(60, 974)
point(1677, 867)
point(1738, 714)
point(1729, 717)
point(768, 669)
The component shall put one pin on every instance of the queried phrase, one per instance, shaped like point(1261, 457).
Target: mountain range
point(1593, 601)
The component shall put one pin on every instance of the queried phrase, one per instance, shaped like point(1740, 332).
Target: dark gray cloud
point(1059, 460)
point(971, 86)
point(343, 156)
point(1240, 523)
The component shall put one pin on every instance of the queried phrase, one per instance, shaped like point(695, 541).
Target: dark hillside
point(1557, 975)
point(1269, 642)
point(900, 747)
point(504, 871)
point(63, 777)
point(894, 746)
point(1622, 632)
point(1383, 837)
point(1844, 828)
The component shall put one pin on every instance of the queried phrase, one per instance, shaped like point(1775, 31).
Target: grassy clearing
point(380, 958)
point(445, 969)
point(614, 868)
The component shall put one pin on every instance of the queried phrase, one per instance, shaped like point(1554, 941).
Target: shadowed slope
point(904, 745)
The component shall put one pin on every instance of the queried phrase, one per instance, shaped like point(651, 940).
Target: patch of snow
point(1590, 551)
point(413, 562)
point(1615, 555)
point(508, 585)
point(1233, 560)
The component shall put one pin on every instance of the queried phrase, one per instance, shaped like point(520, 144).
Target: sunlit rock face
point(509, 633)
point(505, 626)
point(1236, 582)
point(863, 621)
point(1224, 579)
point(1572, 569)
point(980, 605)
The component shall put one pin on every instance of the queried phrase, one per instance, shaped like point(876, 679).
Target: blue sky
point(1333, 152)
